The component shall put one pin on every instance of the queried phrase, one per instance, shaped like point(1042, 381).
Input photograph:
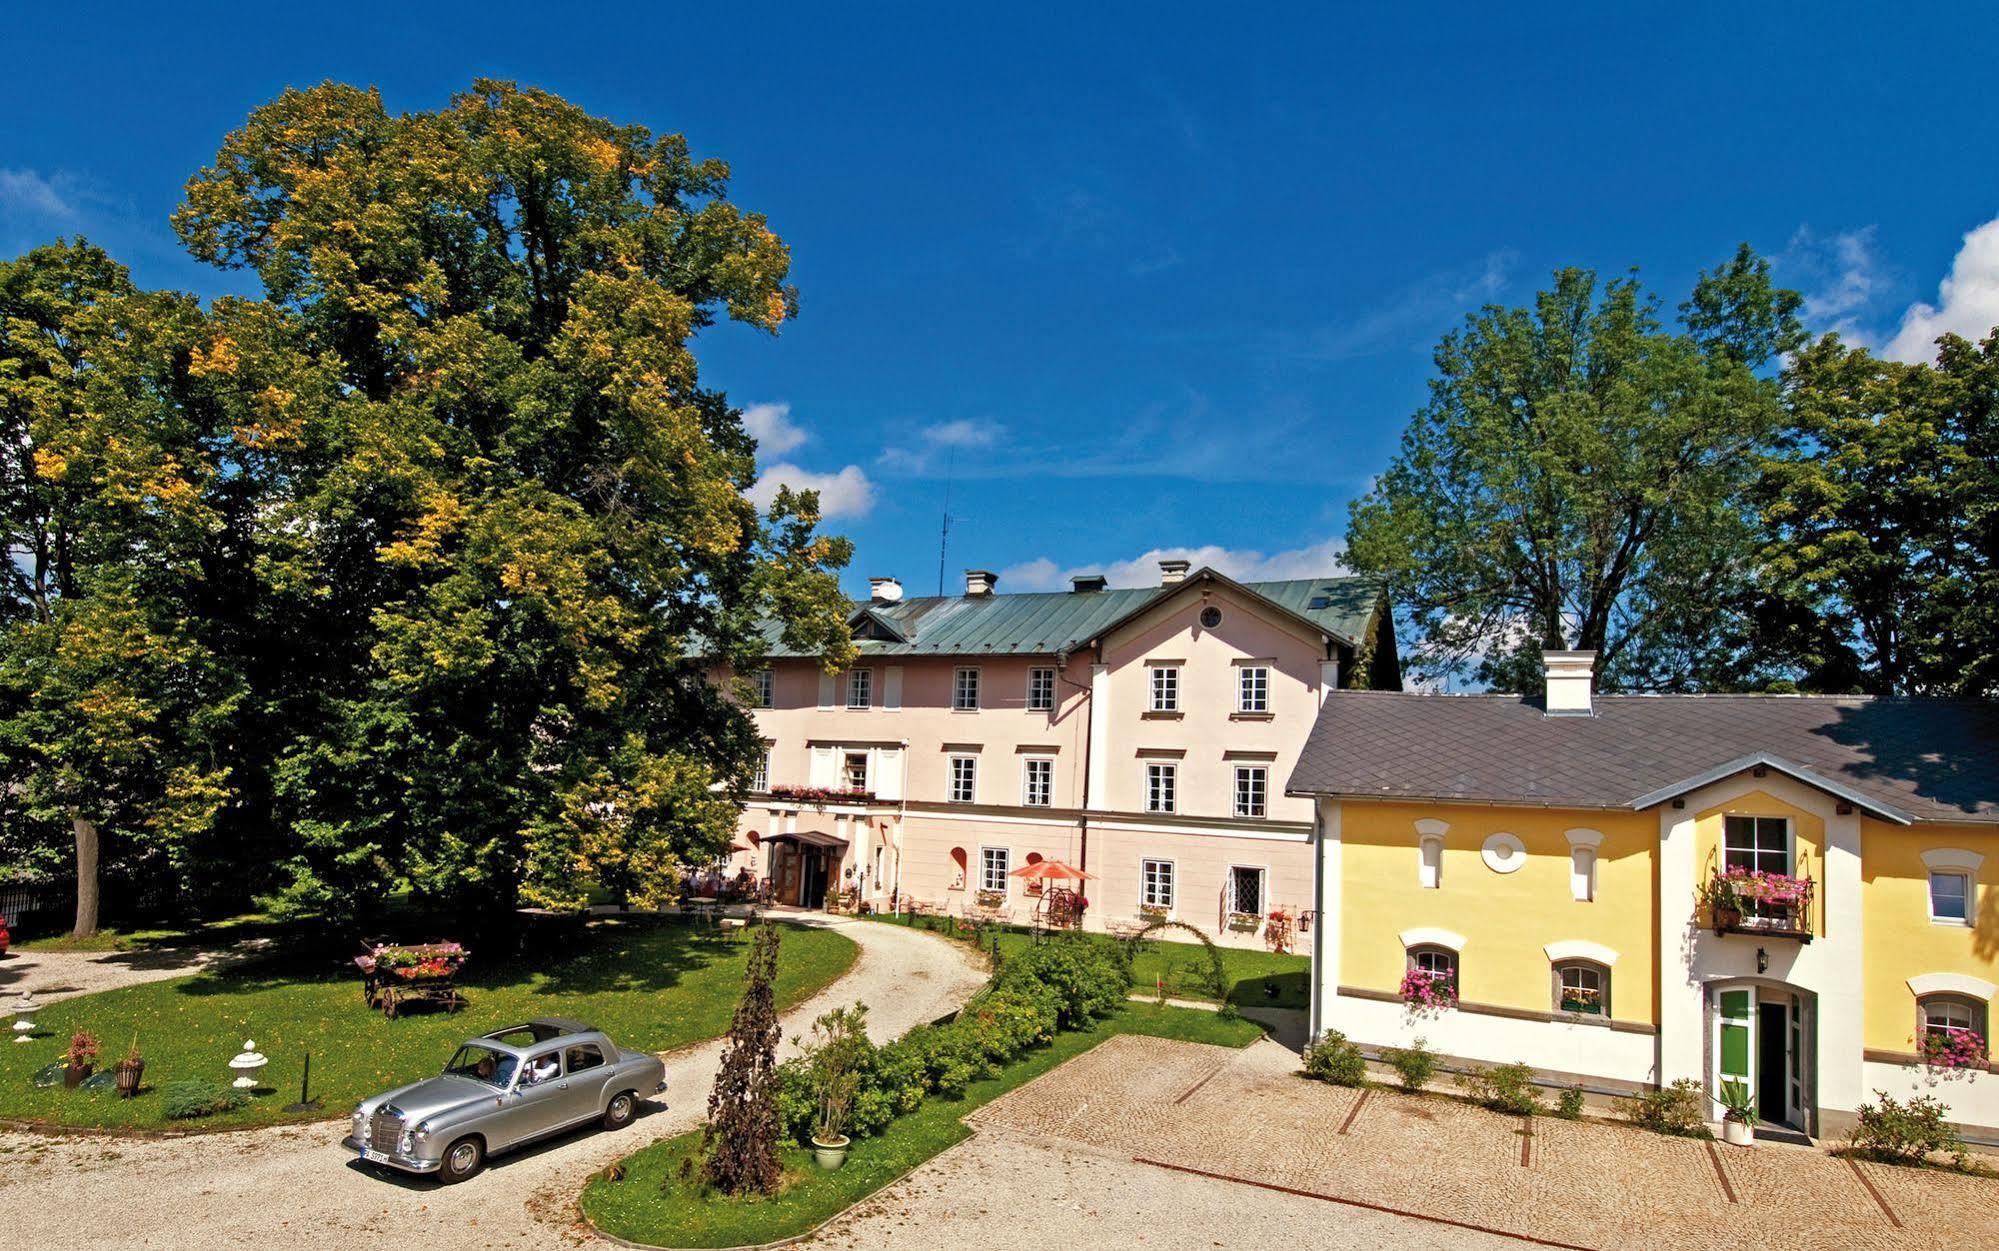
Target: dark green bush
point(1331, 1058)
point(191, 1097)
point(1907, 1133)
point(1414, 1064)
point(1505, 1088)
point(1570, 1105)
point(1087, 979)
point(1679, 1109)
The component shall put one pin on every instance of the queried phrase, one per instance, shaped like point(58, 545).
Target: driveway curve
point(294, 1186)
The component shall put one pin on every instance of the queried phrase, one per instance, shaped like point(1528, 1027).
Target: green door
point(1735, 1057)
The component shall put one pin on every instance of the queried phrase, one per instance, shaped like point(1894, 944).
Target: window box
point(1753, 901)
point(1952, 1050)
point(1425, 989)
point(1154, 912)
point(990, 898)
point(820, 796)
point(1244, 922)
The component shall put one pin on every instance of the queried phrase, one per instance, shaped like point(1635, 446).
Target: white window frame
point(1602, 974)
point(1027, 771)
point(1252, 697)
point(971, 777)
point(860, 689)
point(760, 780)
point(846, 765)
point(988, 857)
point(1757, 852)
point(1952, 861)
point(766, 687)
point(1163, 687)
point(1168, 773)
point(1234, 901)
point(1041, 689)
point(1150, 880)
point(1427, 956)
point(1262, 804)
point(960, 688)
point(1964, 897)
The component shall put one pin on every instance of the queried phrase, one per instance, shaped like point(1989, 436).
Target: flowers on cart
point(413, 962)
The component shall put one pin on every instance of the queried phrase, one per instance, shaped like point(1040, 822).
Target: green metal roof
point(1047, 623)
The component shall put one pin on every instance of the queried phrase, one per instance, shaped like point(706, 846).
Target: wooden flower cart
point(393, 976)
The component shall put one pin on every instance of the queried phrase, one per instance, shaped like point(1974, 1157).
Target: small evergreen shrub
point(1414, 1064)
point(1505, 1088)
point(1907, 1133)
point(190, 1098)
point(1679, 1109)
point(1569, 1106)
point(1331, 1058)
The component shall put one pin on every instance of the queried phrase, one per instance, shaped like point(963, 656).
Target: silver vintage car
point(501, 1090)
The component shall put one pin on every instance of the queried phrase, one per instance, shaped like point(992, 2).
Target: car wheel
point(462, 1159)
point(619, 1112)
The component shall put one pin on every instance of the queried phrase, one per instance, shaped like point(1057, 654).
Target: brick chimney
point(1570, 675)
point(1171, 571)
point(885, 590)
point(980, 581)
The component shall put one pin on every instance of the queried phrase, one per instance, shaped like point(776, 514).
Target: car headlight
point(408, 1141)
point(360, 1119)
point(422, 1130)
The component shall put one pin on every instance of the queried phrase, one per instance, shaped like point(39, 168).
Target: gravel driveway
point(295, 1186)
point(57, 975)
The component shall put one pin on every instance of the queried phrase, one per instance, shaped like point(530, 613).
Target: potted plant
point(130, 1070)
point(834, 1057)
point(79, 1059)
point(1738, 1120)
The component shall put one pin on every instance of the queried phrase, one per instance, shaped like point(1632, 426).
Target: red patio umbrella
point(1050, 871)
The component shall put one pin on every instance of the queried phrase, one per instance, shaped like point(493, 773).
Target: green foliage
point(1579, 479)
point(1737, 1103)
point(1332, 1058)
point(1569, 1104)
point(190, 1098)
point(1081, 979)
point(1907, 1133)
point(1679, 1109)
point(837, 1055)
point(1415, 1065)
point(1505, 1088)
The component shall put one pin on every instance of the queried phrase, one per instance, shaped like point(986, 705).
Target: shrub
point(1331, 1058)
point(193, 1097)
point(1907, 1133)
point(1416, 1064)
point(838, 1055)
point(1506, 1088)
point(1570, 1105)
point(1086, 979)
point(1679, 1109)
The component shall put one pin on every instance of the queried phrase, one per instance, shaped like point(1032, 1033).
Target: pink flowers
point(1757, 886)
point(820, 796)
point(1951, 1049)
point(1424, 990)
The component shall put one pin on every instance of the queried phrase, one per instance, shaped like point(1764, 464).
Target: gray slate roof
point(1045, 623)
point(1920, 760)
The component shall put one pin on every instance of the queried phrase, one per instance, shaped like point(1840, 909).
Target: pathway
point(57, 975)
point(295, 1186)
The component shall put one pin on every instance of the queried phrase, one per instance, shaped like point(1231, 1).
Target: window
point(860, 688)
point(1161, 781)
point(1252, 783)
point(1245, 886)
point(582, 1056)
point(1944, 1016)
point(1950, 897)
point(1211, 617)
point(1040, 690)
point(1582, 987)
point(1252, 689)
point(1155, 883)
point(760, 781)
point(1582, 871)
point(993, 865)
point(1757, 843)
point(965, 690)
point(854, 771)
point(766, 689)
point(964, 779)
point(1037, 780)
point(1441, 963)
point(1165, 688)
point(1430, 865)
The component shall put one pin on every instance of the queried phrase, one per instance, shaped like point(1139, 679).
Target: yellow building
point(1784, 891)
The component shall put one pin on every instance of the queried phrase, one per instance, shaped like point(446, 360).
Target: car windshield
point(495, 1068)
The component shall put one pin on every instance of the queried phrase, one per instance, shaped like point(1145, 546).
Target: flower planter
point(830, 1155)
point(74, 1074)
point(1738, 1133)
point(130, 1073)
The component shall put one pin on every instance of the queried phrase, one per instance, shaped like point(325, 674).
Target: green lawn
point(145, 938)
point(1183, 966)
point(653, 1204)
point(651, 984)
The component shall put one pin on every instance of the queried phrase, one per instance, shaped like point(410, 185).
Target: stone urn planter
point(831, 1155)
point(1738, 1133)
point(73, 1075)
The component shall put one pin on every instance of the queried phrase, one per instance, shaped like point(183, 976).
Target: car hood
point(434, 1096)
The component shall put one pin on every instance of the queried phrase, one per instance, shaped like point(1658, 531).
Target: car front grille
point(385, 1131)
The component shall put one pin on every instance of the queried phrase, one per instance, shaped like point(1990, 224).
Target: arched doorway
point(1763, 1035)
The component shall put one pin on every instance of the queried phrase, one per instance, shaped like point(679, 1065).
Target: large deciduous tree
point(1578, 479)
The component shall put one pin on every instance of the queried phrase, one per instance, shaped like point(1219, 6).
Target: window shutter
point(888, 770)
point(825, 689)
point(892, 687)
point(825, 766)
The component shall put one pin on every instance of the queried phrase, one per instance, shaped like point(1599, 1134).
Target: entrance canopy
point(807, 838)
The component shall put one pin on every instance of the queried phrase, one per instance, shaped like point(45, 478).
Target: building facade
point(1790, 893)
point(1141, 735)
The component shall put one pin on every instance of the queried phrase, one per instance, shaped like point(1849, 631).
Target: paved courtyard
point(1208, 1117)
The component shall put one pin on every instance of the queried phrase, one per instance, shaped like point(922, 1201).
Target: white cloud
point(1411, 316)
point(964, 433)
point(847, 493)
point(1243, 564)
point(771, 426)
point(1968, 301)
point(1840, 275)
point(29, 194)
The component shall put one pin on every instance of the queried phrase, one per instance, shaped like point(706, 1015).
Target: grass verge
point(653, 1204)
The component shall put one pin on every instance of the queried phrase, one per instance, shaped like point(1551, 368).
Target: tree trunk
point(86, 875)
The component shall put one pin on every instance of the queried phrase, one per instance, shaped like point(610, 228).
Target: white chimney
point(1569, 679)
point(1171, 571)
point(980, 581)
point(885, 590)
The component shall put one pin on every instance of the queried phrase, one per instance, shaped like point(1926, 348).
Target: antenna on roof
point(944, 533)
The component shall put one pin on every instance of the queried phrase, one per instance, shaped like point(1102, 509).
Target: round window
point(1211, 616)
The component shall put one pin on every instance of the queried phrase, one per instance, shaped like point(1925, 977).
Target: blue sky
point(1145, 281)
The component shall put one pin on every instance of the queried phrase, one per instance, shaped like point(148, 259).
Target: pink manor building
point(1143, 735)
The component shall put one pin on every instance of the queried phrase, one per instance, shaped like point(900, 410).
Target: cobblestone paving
point(1246, 1115)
